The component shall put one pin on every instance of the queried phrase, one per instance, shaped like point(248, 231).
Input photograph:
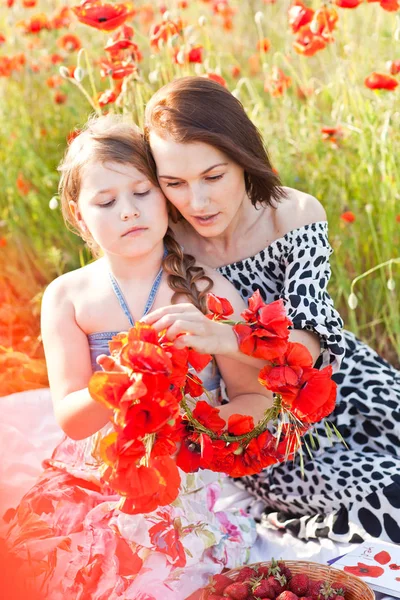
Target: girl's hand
point(193, 329)
point(107, 363)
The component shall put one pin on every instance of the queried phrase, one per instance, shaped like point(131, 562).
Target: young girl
point(68, 528)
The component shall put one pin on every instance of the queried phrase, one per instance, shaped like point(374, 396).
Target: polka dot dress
point(346, 494)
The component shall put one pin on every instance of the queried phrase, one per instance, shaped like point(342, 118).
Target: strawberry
point(383, 557)
point(218, 583)
point(286, 595)
point(339, 588)
point(237, 591)
point(263, 589)
point(245, 574)
point(299, 584)
point(285, 570)
point(278, 582)
point(263, 570)
point(338, 597)
point(315, 587)
point(215, 597)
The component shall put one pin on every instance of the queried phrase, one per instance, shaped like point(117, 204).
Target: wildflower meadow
point(319, 79)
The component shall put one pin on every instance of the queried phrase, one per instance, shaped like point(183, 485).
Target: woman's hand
point(189, 327)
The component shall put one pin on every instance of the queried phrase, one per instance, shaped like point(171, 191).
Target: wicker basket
point(357, 588)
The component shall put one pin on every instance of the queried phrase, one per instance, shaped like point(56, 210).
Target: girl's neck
point(139, 268)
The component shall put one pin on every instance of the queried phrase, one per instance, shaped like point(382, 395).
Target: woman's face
point(206, 186)
point(122, 210)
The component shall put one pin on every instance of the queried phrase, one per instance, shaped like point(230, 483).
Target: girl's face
point(206, 186)
point(123, 211)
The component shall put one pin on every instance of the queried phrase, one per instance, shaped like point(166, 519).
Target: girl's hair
point(196, 109)
point(112, 139)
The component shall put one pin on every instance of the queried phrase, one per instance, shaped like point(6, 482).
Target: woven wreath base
point(357, 588)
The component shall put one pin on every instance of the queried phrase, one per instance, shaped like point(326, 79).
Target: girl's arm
point(69, 366)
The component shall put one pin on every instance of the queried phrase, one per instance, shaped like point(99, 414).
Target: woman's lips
point(206, 220)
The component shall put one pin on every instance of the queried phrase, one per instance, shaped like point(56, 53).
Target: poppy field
point(320, 81)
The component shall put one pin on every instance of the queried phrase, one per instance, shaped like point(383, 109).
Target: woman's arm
point(69, 366)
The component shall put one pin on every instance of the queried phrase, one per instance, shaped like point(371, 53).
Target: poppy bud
point(352, 301)
point(79, 74)
point(64, 72)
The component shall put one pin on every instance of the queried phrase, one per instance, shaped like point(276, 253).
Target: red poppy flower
point(348, 3)
point(29, 3)
point(209, 416)
point(299, 15)
point(117, 69)
point(122, 40)
point(381, 81)
point(220, 308)
point(195, 55)
point(324, 22)
point(277, 83)
point(56, 58)
point(286, 378)
point(69, 42)
point(36, 24)
point(23, 185)
point(112, 451)
point(348, 216)
point(2, 39)
point(100, 15)
point(193, 386)
point(307, 43)
point(290, 440)
point(236, 71)
point(240, 424)
point(390, 5)
point(198, 361)
point(108, 388)
point(61, 19)
point(110, 96)
point(263, 45)
point(362, 570)
point(317, 397)
point(268, 337)
point(153, 486)
point(394, 67)
point(148, 416)
point(162, 32)
point(216, 78)
point(54, 81)
point(331, 133)
point(188, 458)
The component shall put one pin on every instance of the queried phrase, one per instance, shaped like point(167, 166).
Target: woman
point(230, 211)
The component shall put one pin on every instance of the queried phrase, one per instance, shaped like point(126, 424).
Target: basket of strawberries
point(289, 580)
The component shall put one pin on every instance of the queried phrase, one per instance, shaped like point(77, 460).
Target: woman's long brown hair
point(196, 109)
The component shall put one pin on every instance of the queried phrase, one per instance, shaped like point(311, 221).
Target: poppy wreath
point(159, 427)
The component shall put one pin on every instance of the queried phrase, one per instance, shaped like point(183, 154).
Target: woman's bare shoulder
point(298, 209)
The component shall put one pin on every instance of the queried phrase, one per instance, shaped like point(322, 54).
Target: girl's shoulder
point(296, 210)
point(65, 288)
